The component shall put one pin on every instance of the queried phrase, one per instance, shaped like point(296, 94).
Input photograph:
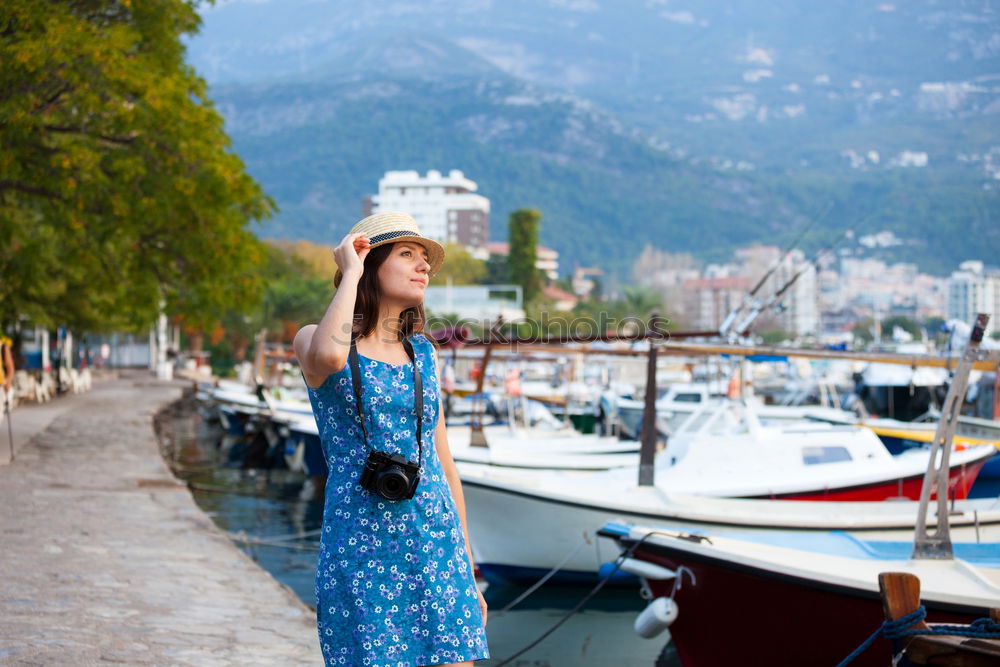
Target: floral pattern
point(393, 582)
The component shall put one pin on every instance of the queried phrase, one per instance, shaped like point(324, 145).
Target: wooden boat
point(811, 603)
point(900, 592)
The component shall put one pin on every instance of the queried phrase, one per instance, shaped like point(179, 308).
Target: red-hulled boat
point(757, 601)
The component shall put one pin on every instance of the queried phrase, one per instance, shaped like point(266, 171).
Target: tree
point(932, 325)
point(639, 301)
point(906, 324)
point(460, 266)
point(863, 331)
point(118, 188)
point(523, 235)
point(497, 271)
point(317, 257)
point(774, 336)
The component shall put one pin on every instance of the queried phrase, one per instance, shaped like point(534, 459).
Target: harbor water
point(273, 516)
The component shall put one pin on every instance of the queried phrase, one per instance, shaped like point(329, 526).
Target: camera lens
point(392, 484)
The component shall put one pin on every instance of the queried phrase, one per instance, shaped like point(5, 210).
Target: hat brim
point(435, 251)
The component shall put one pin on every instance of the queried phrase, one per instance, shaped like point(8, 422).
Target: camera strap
point(418, 393)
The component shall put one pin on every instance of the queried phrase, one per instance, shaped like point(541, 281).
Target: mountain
point(603, 188)
point(689, 126)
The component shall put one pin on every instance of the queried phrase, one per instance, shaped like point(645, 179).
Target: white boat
point(563, 449)
point(523, 523)
point(725, 450)
point(683, 399)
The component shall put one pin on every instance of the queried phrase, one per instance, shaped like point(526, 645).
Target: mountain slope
point(689, 126)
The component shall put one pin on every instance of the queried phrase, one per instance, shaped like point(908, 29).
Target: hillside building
point(798, 310)
point(971, 290)
point(710, 300)
point(446, 208)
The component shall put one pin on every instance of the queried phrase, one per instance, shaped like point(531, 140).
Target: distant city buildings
point(972, 289)
point(711, 299)
point(843, 291)
point(560, 298)
point(721, 288)
point(585, 280)
point(446, 208)
point(833, 297)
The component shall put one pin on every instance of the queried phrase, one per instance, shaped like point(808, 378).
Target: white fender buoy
point(656, 617)
point(645, 569)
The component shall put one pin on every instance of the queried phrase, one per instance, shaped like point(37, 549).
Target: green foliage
point(317, 258)
point(623, 192)
point(523, 234)
point(774, 336)
point(460, 266)
point(497, 271)
point(904, 323)
point(639, 301)
point(117, 185)
point(293, 295)
point(932, 325)
point(863, 331)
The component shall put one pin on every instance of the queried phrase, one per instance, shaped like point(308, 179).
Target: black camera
point(390, 476)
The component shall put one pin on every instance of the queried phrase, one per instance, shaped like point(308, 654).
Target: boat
point(899, 392)
point(921, 643)
point(733, 480)
point(900, 436)
point(522, 524)
point(812, 583)
point(820, 591)
point(725, 450)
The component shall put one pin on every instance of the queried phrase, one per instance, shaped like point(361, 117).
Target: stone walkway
point(105, 558)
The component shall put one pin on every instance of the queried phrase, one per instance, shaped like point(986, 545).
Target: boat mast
point(938, 545)
point(647, 446)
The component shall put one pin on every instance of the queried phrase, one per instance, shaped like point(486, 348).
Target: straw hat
point(395, 227)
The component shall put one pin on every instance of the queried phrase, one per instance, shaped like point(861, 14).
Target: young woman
point(394, 581)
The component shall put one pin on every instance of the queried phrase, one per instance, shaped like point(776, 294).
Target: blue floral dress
point(393, 582)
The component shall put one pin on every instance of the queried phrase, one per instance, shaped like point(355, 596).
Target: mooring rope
point(625, 555)
point(538, 584)
point(982, 628)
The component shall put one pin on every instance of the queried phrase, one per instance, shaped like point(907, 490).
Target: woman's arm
point(322, 348)
point(455, 483)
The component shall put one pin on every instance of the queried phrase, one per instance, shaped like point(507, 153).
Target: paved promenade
point(106, 559)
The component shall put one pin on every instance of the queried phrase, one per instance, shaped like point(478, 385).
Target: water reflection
point(272, 516)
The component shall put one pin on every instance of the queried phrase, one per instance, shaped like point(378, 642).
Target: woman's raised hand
point(350, 254)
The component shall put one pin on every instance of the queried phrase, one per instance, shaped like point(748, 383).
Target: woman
point(394, 581)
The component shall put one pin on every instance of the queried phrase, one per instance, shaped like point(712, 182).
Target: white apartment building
point(800, 312)
point(972, 290)
point(798, 309)
point(445, 207)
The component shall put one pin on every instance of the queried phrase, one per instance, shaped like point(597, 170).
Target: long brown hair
point(367, 302)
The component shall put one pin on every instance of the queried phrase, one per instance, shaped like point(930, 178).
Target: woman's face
point(404, 274)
